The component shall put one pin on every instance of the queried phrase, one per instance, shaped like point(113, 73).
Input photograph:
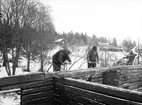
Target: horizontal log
point(128, 67)
point(138, 89)
point(21, 79)
point(130, 75)
point(39, 101)
point(65, 101)
point(73, 96)
point(14, 86)
point(102, 98)
point(133, 82)
point(27, 85)
point(38, 83)
point(37, 95)
point(130, 80)
point(76, 73)
point(10, 91)
point(58, 101)
point(104, 89)
point(134, 70)
point(133, 85)
point(37, 90)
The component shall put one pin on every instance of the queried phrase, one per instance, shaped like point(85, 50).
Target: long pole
point(41, 54)
point(138, 52)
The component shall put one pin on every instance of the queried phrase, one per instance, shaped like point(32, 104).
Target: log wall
point(37, 93)
point(34, 89)
point(77, 92)
point(58, 89)
point(129, 76)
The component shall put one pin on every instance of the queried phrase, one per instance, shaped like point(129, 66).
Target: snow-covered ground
point(9, 99)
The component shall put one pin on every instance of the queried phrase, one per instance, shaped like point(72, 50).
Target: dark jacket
point(60, 57)
point(92, 56)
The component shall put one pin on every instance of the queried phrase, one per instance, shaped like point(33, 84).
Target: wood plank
point(21, 79)
point(10, 91)
point(36, 95)
point(14, 86)
point(67, 101)
point(36, 90)
point(131, 80)
point(139, 89)
point(97, 96)
point(104, 89)
point(20, 85)
point(125, 72)
point(38, 84)
point(76, 73)
point(76, 97)
point(132, 86)
point(126, 78)
point(59, 102)
point(45, 100)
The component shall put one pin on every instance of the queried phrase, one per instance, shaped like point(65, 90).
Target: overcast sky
point(121, 19)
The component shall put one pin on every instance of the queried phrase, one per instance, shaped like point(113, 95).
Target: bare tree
point(24, 17)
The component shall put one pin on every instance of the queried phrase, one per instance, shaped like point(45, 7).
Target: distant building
point(61, 42)
point(108, 47)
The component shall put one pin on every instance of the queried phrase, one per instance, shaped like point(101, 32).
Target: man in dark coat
point(59, 58)
point(131, 57)
point(92, 57)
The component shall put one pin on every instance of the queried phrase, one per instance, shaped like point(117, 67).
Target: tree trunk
point(41, 58)
point(28, 54)
point(15, 62)
point(6, 63)
point(28, 63)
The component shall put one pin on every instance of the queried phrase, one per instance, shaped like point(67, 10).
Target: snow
point(9, 99)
